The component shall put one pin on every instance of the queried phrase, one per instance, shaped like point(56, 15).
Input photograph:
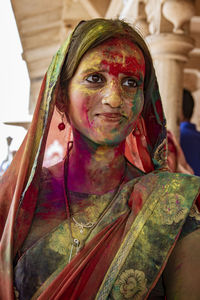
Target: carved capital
point(178, 13)
point(170, 46)
point(169, 15)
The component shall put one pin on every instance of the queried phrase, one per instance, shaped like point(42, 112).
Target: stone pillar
point(170, 52)
point(170, 45)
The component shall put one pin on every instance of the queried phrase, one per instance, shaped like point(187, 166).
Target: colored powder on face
point(130, 67)
point(131, 64)
point(141, 80)
point(110, 53)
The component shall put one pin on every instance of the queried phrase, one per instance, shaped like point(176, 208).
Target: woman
point(102, 223)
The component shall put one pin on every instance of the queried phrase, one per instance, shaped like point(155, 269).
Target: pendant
point(76, 243)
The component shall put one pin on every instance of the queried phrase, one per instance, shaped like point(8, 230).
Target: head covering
point(19, 185)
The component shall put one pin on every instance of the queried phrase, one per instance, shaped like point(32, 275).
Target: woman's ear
point(61, 101)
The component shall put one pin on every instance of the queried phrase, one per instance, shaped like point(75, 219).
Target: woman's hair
point(89, 34)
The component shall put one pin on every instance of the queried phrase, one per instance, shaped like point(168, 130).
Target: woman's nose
point(112, 98)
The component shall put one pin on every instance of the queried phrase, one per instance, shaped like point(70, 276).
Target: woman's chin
point(107, 139)
point(103, 137)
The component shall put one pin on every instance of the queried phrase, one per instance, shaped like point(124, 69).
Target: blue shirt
point(190, 144)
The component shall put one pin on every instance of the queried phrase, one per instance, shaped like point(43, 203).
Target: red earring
point(61, 126)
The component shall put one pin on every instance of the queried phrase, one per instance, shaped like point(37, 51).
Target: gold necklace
point(74, 241)
point(81, 225)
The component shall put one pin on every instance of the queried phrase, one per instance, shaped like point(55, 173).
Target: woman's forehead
point(121, 42)
point(119, 54)
point(116, 46)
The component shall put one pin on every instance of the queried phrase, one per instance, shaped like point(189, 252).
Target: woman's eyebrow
point(103, 70)
point(95, 68)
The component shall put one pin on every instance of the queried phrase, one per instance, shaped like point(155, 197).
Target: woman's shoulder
point(177, 190)
point(176, 180)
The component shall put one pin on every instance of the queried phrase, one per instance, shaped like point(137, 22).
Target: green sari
point(130, 235)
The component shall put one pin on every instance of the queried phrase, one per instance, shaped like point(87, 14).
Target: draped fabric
point(176, 159)
point(20, 183)
point(125, 245)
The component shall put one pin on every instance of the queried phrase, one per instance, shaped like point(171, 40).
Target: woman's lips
point(110, 117)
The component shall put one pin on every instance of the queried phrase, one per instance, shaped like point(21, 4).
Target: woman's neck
point(93, 168)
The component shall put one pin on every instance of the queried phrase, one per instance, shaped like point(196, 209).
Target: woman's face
point(106, 92)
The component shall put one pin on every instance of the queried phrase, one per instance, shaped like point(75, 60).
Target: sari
point(175, 158)
point(122, 250)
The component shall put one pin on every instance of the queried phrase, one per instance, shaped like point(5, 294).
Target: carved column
point(134, 13)
point(169, 54)
point(170, 44)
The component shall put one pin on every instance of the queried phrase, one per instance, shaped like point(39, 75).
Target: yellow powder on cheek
point(81, 88)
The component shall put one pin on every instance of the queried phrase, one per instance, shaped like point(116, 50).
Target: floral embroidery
point(161, 153)
point(194, 212)
point(132, 284)
point(171, 211)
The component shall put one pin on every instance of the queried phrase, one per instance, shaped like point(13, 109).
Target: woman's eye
point(95, 78)
point(130, 82)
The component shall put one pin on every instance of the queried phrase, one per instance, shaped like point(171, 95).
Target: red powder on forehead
point(114, 50)
point(114, 46)
point(130, 66)
point(111, 53)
